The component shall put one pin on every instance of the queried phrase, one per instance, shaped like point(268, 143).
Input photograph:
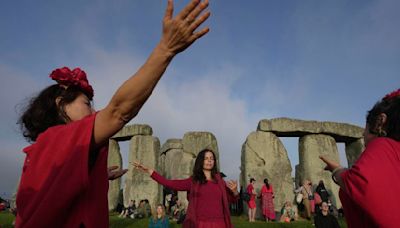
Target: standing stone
point(194, 142)
point(114, 158)
point(298, 176)
point(354, 150)
point(174, 160)
point(312, 168)
point(139, 185)
point(177, 163)
point(264, 156)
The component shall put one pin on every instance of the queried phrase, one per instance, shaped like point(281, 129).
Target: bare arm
point(336, 170)
point(178, 34)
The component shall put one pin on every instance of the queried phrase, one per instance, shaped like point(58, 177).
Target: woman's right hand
point(142, 168)
point(330, 164)
point(179, 31)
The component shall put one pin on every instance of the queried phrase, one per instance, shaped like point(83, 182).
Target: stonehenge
point(263, 155)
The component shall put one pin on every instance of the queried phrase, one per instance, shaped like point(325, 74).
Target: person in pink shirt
point(267, 201)
point(208, 194)
point(252, 206)
point(370, 188)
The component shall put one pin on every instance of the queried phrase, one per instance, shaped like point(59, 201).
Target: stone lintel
point(129, 131)
point(171, 144)
point(286, 127)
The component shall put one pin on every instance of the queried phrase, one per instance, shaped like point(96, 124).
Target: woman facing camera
point(159, 219)
point(208, 194)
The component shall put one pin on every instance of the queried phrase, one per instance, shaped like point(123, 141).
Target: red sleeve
point(231, 197)
point(177, 185)
point(371, 183)
point(55, 173)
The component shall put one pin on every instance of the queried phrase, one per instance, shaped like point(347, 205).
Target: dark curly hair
point(42, 111)
point(390, 107)
point(198, 174)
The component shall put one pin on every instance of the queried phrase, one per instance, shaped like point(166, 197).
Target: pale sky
point(309, 59)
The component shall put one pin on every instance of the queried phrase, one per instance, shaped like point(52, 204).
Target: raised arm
point(177, 35)
point(177, 185)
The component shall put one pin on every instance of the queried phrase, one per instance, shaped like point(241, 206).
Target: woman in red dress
point(370, 188)
point(267, 201)
point(208, 194)
point(64, 180)
point(251, 204)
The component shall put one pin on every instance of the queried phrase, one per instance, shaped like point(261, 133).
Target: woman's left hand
point(232, 185)
point(114, 174)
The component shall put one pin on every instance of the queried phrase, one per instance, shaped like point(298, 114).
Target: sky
point(309, 60)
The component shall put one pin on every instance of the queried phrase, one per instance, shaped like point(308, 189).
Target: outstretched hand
point(113, 173)
point(179, 31)
point(330, 164)
point(142, 168)
point(232, 185)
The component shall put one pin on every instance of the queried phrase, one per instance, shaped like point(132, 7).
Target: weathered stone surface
point(298, 176)
point(139, 185)
point(114, 158)
point(264, 156)
point(130, 130)
point(171, 144)
point(285, 127)
point(312, 168)
point(194, 142)
point(177, 164)
point(354, 150)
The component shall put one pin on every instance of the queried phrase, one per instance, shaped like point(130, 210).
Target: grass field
point(238, 222)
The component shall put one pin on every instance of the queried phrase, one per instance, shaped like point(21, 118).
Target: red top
point(250, 190)
point(207, 201)
point(372, 186)
point(264, 189)
point(56, 187)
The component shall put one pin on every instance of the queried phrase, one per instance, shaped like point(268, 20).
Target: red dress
point(372, 186)
point(208, 203)
point(57, 189)
point(267, 202)
point(252, 202)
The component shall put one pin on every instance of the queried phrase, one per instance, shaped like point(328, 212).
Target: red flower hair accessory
point(391, 95)
point(77, 77)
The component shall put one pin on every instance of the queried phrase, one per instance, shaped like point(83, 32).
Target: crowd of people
point(309, 202)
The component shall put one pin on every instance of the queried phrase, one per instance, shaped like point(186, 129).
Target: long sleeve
point(373, 180)
point(56, 189)
point(177, 185)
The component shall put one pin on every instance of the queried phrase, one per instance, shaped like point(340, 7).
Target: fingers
point(113, 167)
point(193, 26)
point(169, 11)
point(330, 165)
point(323, 159)
point(189, 8)
point(198, 35)
point(196, 12)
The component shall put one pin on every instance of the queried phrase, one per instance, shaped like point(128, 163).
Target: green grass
point(6, 219)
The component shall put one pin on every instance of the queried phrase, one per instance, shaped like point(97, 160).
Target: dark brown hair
point(198, 174)
point(390, 107)
point(42, 111)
